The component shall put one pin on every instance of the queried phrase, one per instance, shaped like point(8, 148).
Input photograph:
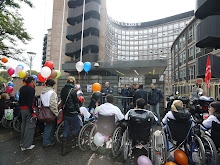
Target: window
point(184, 56)
point(159, 34)
point(176, 74)
point(181, 59)
point(176, 61)
point(165, 28)
point(190, 32)
point(198, 50)
point(184, 73)
point(191, 52)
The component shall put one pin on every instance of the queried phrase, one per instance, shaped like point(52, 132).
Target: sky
point(38, 19)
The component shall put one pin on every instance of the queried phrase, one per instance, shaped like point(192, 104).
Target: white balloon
point(79, 66)
point(99, 139)
point(45, 72)
point(18, 69)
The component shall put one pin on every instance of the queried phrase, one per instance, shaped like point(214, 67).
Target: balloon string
point(79, 77)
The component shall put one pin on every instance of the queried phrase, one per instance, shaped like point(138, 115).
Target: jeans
point(156, 110)
point(49, 129)
point(71, 122)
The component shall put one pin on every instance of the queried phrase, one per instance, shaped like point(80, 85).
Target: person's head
point(50, 82)
point(30, 80)
point(214, 108)
point(107, 84)
point(141, 86)
point(131, 86)
point(78, 87)
point(176, 103)
point(136, 86)
point(109, 99)
point(5, 96)
point(124, 86)
point(71, 80)
point(140, 103)
point(153, 86)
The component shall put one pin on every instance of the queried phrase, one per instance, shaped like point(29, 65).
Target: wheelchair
point(113, 134)
point(139, 134)
point(181, 135)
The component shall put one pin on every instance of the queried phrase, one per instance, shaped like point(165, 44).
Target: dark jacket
point(124, 92)
point(140, 93)
point(131, 94)
point(4, 104)
point(107, 91)
point(181, 115)
point(71, 107)
point(26, 97)
point(155, 96)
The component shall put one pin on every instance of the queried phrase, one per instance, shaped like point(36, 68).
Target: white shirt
point(169, 115)
point(126, 116)
point(109, 109)
point(208, 122)
point(85, 113)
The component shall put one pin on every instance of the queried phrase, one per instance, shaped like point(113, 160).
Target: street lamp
point(31, 56)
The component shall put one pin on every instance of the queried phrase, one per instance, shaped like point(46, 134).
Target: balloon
point(49, 64)
point(21, 66)
point(22, 74)
point(11, 71)
point(170, 163)
point(96, 87)
point(96, 96)
point(58, 74)
point(11, 85)
point(9, 89)
point(40, 78)
point(79, 66)
point(99, 139)
point(144, 160)
point(87, 66)
point(53, 74)
point(27, 74)
point(45, 72)
point(35, 77)
point(4, 60)
point(18, 69)
point(181, 157)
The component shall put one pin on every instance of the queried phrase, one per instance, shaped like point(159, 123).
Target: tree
point(33, 72)
point(5, 76)
point(12, 29)
point(2, 80)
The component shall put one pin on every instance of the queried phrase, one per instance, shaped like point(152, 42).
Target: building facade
point(46, 47)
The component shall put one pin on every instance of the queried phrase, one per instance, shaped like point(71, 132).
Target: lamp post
point(31, 56)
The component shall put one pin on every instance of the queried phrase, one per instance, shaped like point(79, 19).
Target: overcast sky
point(39, 18)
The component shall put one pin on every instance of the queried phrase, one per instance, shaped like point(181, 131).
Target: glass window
point(149, 31)
point(165, 39)
point(165, 44)
point(119, 31)
point(127, 32)
point(198, 50)
point(145, 31)
point(176, 25)
point(127, 42)
point(160, 45)
point(176, 61)
point(182, 24)
point(154, 41)
point(141, 47)
point(136, 32)
point(123, 32)
point(123, 42)
point(127, 37)
point(136, 48)
point(123, 37)
point(131, 32)
point(136, 42)
point(141, 32)
point(171, 38)
point(154, 30)
point(141, 42)
point(123, 52)
point(159, 29)
point(191, 52)
point(190, 32)
point(119, 41)
point(149, 41)
point(145, 47)
point(165, 34)
point(150, 46)
point(123, 47)
point(131, 48)
point(127, 47)
point(145, 41)
point(164, 28)
point(181, 58)
point(170, 27)
point(176, 74)
point(119, 46)
point(159, 34)
point(154, 46)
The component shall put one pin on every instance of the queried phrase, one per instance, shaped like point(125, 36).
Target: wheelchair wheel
point(59, 132)
point(117, 141)
point(91, 139)
point(83, 138)
point(198, 151)
point(210, 150)
point(5, 122)
point(17, 124)
point(125, 145)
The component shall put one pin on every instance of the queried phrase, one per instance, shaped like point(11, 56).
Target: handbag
point(45, 114)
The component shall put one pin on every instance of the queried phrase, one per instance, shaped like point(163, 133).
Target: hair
point(153, 84)
point(176, 103)
point(28, 79)
point(109, 98)
point(3, 96)
point(141, 86)
point(140, 103)
point(50, 82)
point(71, 80)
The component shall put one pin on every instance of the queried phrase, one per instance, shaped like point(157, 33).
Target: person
point(124, 93)
point(131, 94)
point(140, 93)
point(108, 109)
point(154, 97)
point(140, 104)
point(78, 90)
point(70, 112)
point(49, 99)
point(105, 91)
point(2, 89)
point(177, 112)
point(83, 111)
point(4, 103)
point(26, 99)
point(214, 115)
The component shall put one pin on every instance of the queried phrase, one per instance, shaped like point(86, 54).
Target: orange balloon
point(170, 163)
point(181, 157)
point(4, 60)
point(96, 87)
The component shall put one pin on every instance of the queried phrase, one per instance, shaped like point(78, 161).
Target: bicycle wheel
point(17, 124)
point(5, 122)
point(59, 132)
point(83, 138)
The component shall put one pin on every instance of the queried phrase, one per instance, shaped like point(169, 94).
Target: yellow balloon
point(22, 74)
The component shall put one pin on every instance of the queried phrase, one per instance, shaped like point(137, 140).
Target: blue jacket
point(155, 96)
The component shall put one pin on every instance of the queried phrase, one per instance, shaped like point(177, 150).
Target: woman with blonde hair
point(177, 112)
point(71, 110)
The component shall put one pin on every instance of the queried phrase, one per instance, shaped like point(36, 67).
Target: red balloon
point(49, 64)
point(11, 71)
point(181, 157)
point(9, 89)
point(40, 78)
